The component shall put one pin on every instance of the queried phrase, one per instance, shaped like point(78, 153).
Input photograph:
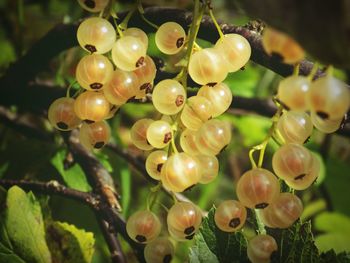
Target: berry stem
point(69, 88)
point(313, 71)
point(216, 23)
point(261, 226)
point(124, 24)
point(296, 69)
point(141, 12)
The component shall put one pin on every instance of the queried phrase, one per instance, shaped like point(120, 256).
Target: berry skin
point(184, 219)
point(138, 134)
point(257, 188)
point(169, 97)
point(220, 97)
point(160, 250)
point(170, 38)
point(146, 75)
point(138, 33)
point(129, 53)
point(188, 142)
point(159, 134)
point(283, 212)
point(207, 67)
point(326, 126)
point(155, 162)
point(295, 127)
point(230, 216)
point(180, 172)
point(260, 248)
point(276, 42)
point(121, 87)
point(92, 106)
point(62, 116)
point(292, 92)
point(295, 163)
point(197, 111)
point(209, 167)
point(93, 6)
point(213, 137)
point(96, 35)
point(329, 98)
point(94, 135)
point(143, 226)
point(93, 72)
point(236, 50)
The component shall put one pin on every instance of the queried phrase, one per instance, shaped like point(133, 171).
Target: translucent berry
point(94, 135)
point(209, 167)
point(188, 142)
point(155, 162)
point(292, 92)
point(143, 226)
point(230, 216)
point(129, 53)
point(146, 75)
point(295, 127)
point(257, 188)
point(138, 33)
point(329, 98)
point(180, 172)
point(220, 97)
point(96, 35)
point(213, 137)
point(260, 248)
point(160, 250)
point(325, 125)
point(207, 67)
point(92, 106)
point(121, 87)
point(236, 50)
point(93, 72)
point(170, 38)
point(293, 162)
point(62, 116)
point(159, 134)
point(184, 219)
point(283, 212)
point(276, 42)
point(138, 134)
point(197, 111)
point(169, 97)
point(93, 6)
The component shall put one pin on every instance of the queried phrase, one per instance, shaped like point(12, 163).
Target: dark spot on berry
point(167, 258)
point(180, 42)
point(96, 86)
point(141, 238)
point(212, 84)
point(99, 145)
point(146, 86)
point(179, 100)
point(90, 3)
point(190, 237)
point(89, 121)
point(62, 125)
point(140, 62)
point(307, 140)
point(299, 177)
point(167, 137)
point(234, 222)
point(323, 115)
point(159, 167)
point(261, 205)
point(91, 48)
point(189, 230)
point(242, 68)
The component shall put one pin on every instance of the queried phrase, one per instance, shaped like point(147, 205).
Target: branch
point(54, 187)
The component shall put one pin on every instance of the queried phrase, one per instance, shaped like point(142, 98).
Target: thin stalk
point(216, 23)
point(261, 226)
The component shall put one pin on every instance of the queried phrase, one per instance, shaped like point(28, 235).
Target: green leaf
point(338, 241)
point(24, 227)
point(74, 177)
point(333, 222)
point(69, 244)
point(295, 244)
point(200, 252)
point(125, 176)
point(227, 247)
point(104, 160)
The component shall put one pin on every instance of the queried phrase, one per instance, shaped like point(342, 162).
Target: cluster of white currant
point(106, 88)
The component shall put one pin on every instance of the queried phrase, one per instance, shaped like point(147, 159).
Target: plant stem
point(142, 11)
point(216, 23)
point(261, 226)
